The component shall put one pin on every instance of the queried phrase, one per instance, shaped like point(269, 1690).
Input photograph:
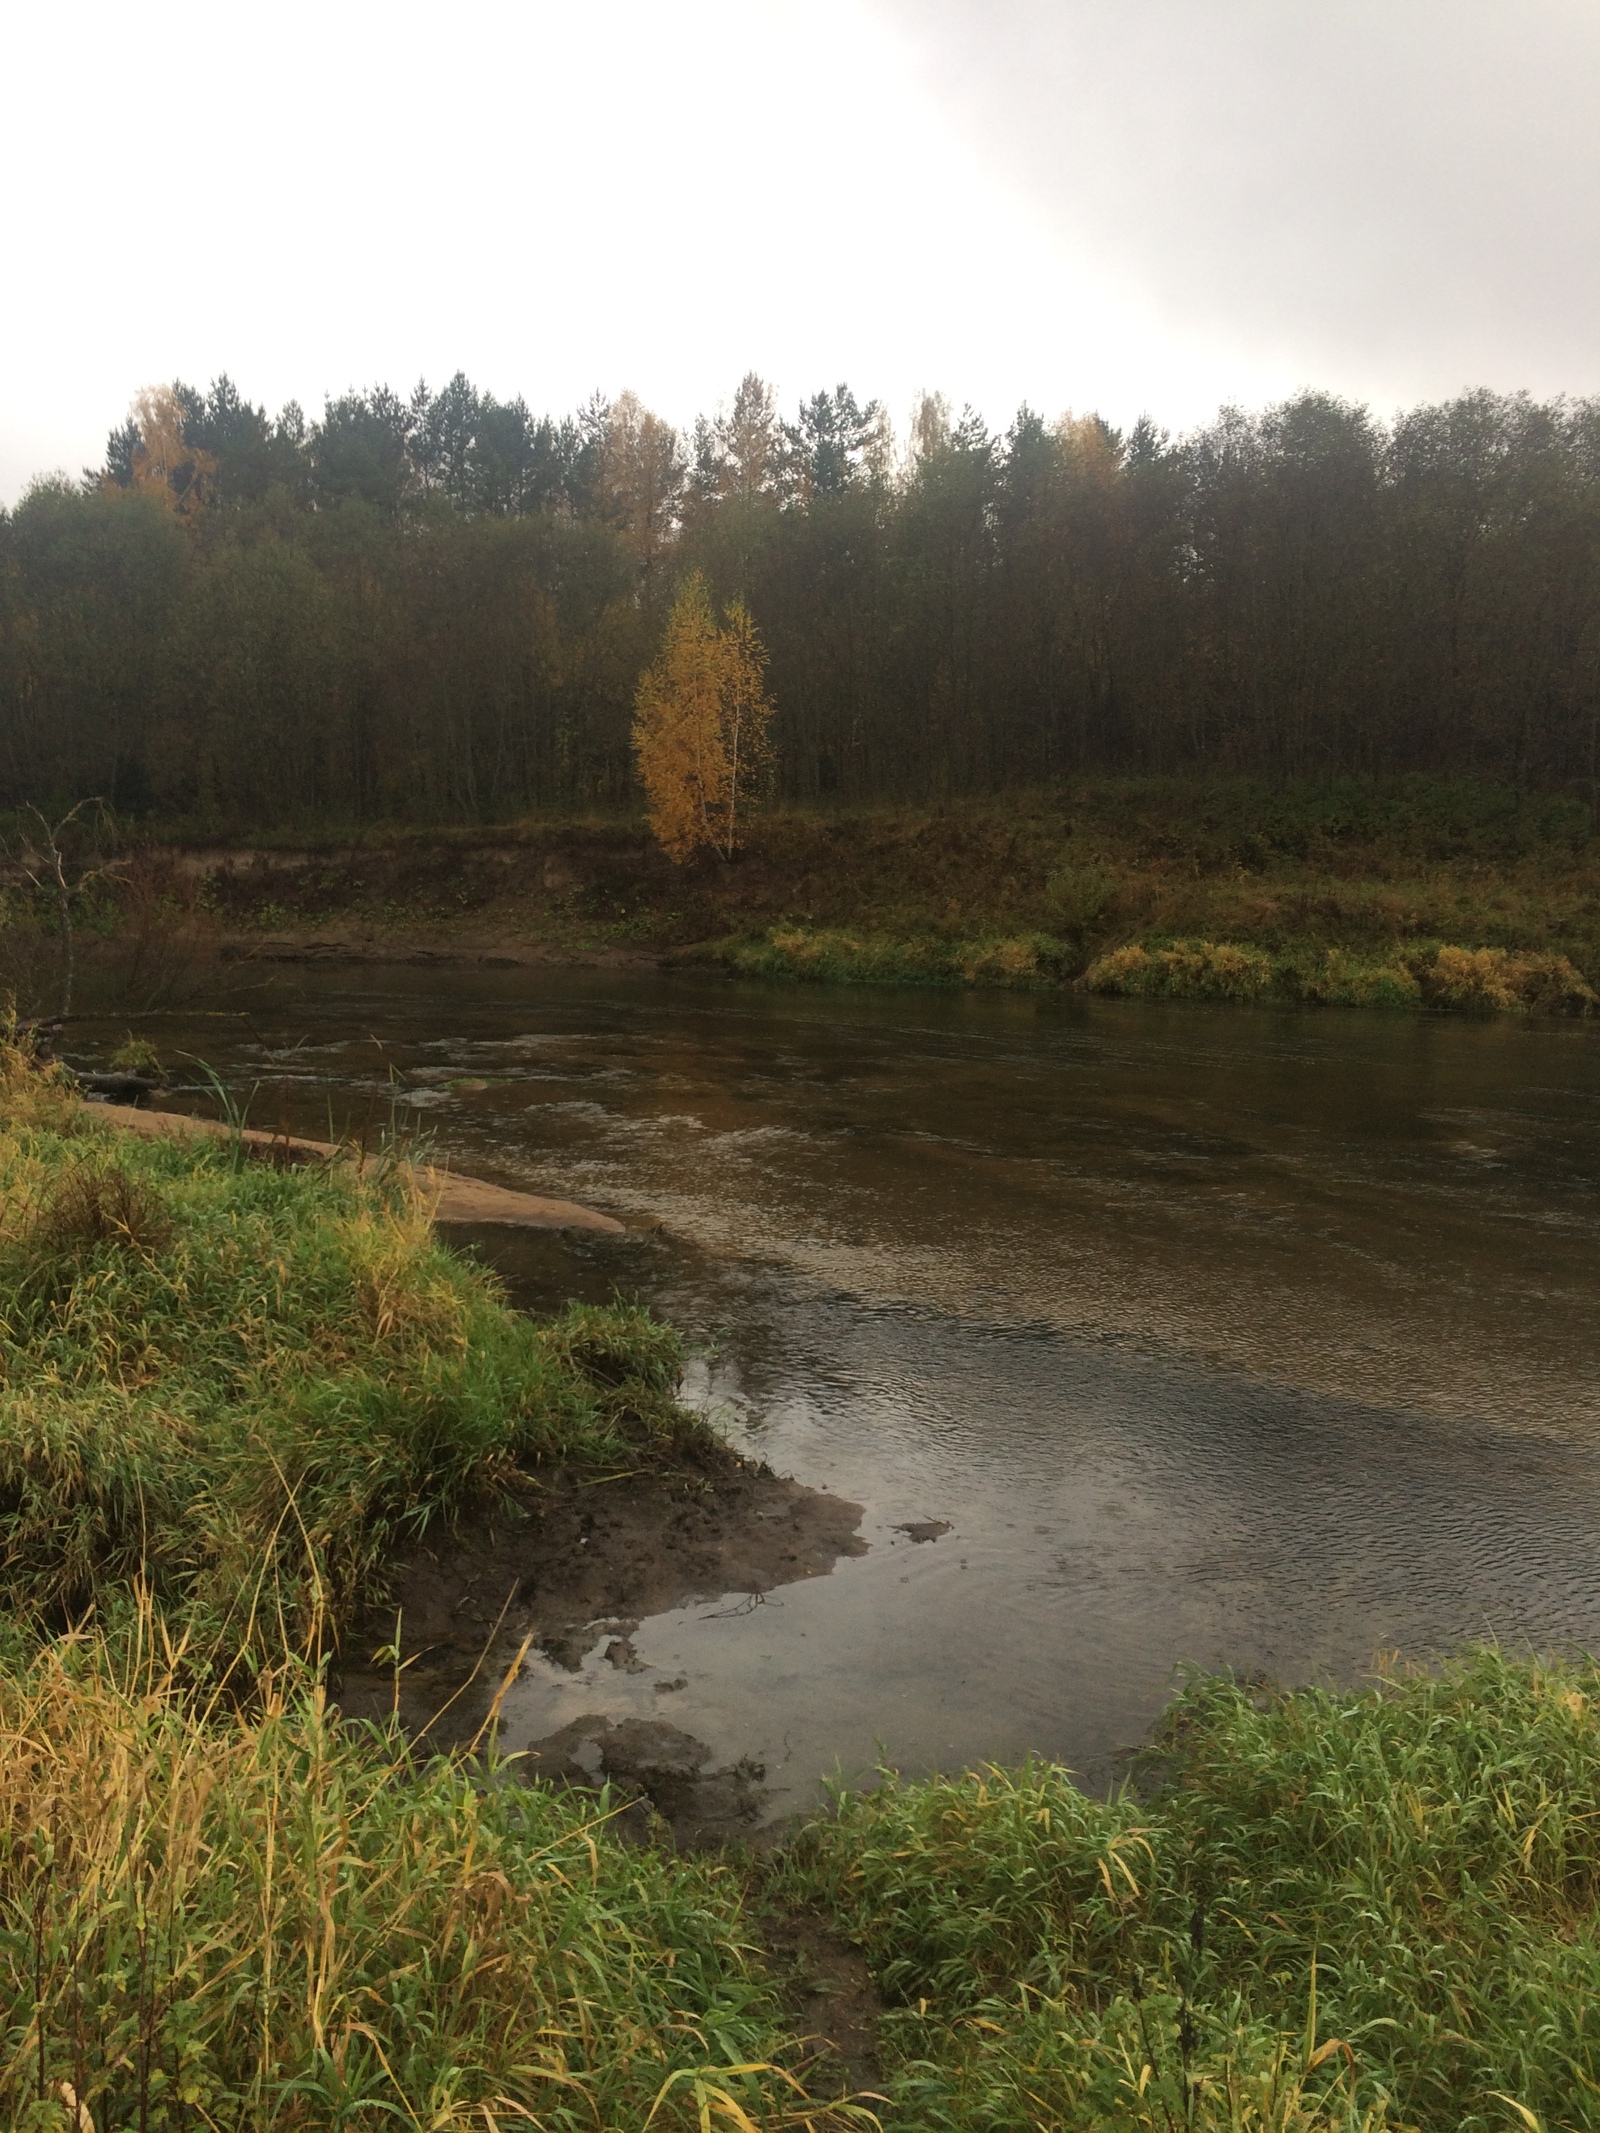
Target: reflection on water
point(1218, 1336)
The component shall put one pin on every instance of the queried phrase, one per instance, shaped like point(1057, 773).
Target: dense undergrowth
point(225, 1388)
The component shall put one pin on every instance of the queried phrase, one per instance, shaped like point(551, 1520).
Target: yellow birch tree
point(700, 725)
point(178, 475)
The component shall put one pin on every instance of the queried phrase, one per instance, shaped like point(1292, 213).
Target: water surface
point(1216, 1336)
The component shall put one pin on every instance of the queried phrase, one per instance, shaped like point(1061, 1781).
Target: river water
point(1213, 1336)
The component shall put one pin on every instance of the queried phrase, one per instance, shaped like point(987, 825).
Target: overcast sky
point(1130, 205)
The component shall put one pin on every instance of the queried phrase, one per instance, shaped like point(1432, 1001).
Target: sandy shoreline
point(453, 1198)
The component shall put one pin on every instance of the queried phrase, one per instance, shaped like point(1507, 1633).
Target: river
point(1217, 1337)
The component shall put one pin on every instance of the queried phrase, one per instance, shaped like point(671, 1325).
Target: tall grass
point(275, 1922)
point(1362, 1910)
point(242, 1384)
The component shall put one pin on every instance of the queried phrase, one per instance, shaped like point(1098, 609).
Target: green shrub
point(1075, 897)
point(136, 1055)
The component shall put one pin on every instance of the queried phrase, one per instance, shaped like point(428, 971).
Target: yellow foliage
point(1194, 970)
point(700, 725)
point(1004, 960)
point(176, 474)
point(1495, 981)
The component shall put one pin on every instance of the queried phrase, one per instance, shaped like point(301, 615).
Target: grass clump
point(241, 1384)
point(1188, 970)
point(1338, 1911)
point(1470, 980)
point(1494, 981)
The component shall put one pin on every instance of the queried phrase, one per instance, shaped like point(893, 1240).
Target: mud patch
point(834, 2003)
point(581, 1564)
point(657, 1770)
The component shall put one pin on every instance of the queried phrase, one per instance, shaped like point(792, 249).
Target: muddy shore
point(580, 1563)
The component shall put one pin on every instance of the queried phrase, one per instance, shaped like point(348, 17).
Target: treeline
point(440, 606)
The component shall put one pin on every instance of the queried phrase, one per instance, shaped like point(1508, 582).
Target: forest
point(437, 608)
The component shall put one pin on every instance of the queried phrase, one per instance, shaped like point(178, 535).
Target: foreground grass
point(273, 1922)
point(1360, 1911)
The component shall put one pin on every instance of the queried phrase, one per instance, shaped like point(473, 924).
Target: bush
point(1188, 970)
point(1495, 981)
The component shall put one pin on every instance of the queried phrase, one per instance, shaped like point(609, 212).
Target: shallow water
point(1216, 1336)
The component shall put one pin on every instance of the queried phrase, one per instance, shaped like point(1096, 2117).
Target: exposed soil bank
point(582, 1560)
point(1347, 891)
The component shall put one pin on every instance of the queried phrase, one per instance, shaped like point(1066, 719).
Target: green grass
point(1368, 1909)
point(241, 1384)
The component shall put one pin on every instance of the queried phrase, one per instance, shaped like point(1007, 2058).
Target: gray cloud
point(1395, 198)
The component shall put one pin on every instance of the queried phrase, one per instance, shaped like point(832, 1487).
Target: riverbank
point(447, 1197)
point(233, 1392)
point(1407, 894)
point(245, 1410)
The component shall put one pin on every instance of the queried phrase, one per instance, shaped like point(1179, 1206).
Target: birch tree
point(700, 725)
